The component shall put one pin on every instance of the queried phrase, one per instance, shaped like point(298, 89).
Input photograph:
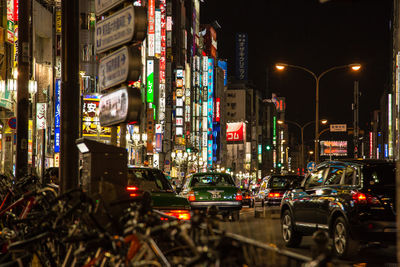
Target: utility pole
point(355, 118)
point(24, 58)
point(69, 155)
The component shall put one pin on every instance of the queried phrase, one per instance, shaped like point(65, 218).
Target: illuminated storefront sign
point(390, 118)
point(157, 48)
point(371, 145)
point(241, 56)
point(151, 28)
point(57, 116)
point(90, 118)
point(210, 108)
point(333, 148)
point(235, 131)
point(150, 81)
point(217, 109)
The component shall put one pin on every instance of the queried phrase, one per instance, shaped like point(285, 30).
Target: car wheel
point(235, 215)
point(344, 245)
point(291, 237)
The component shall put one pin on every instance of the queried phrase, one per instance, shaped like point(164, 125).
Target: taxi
point(207, 189)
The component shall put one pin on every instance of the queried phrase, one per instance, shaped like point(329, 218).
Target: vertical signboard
point(210, 109)
point(241, 56)
point(224, 66)
point(151, 28)
point(150, 81)
point(10, 21)
point(41, 109)
point(57, 116)
point(157, 32)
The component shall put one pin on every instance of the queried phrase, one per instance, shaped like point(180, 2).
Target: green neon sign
point(150, 81)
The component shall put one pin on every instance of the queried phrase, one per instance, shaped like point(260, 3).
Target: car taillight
point(179, 214)
point(239, 196)
point(274, 195)
point(191, 196)
point(132, 190)
point(362, 198)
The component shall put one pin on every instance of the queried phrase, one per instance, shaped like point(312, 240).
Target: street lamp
point(302, 135)
point(282, 66)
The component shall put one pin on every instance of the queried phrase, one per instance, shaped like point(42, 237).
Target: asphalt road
point(266, 229)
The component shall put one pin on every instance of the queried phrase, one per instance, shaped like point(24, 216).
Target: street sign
point(338, 127)
point(115, 30)
point(102, 6)
point(120, 66)
point(310, 166)
point(12, 123)
point(122, 105)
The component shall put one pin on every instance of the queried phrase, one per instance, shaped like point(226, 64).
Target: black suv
point(354, 200)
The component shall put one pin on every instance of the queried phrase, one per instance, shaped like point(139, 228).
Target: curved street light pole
point(302, 138)
point(317, 78)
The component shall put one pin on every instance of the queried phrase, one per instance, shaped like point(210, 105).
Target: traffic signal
point(268, 147)
point(188, 149)
point(279, 164)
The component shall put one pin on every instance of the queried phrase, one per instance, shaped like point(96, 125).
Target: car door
point(304, 205)
point(327, 193)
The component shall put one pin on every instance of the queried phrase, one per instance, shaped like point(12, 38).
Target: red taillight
point(132, 189)
point(179, 214)
point(274, 195)
point(191, 196)
point(362, 198)
point(239, 196)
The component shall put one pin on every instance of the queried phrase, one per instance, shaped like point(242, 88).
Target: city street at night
point(219, 133)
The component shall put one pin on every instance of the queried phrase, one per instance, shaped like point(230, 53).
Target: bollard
point(319, 249)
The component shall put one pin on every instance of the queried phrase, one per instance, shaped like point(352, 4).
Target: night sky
point(316, 36)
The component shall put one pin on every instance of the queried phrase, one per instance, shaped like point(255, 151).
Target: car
point(207, 189)
point(163, 196)
point(248, 198)
point(276, 186)
point(354, 200)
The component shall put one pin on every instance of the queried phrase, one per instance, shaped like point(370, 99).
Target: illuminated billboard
point(235, 131)
point(333, 148)
point(90, 118)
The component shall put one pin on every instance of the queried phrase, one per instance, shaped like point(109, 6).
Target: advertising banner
point(10, 21)
point(241, 56)
point(333, 148)
point(235, 131)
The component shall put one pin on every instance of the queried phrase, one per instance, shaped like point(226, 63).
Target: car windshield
point(285, 182)
point(148, 180)
point(379, 176)
point(211, 179)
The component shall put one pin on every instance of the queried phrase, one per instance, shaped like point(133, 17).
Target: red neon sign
point(235, 131)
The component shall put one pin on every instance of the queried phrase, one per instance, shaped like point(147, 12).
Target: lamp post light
point(282, 66)
point(302, 135)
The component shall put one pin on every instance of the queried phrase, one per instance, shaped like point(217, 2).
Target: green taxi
point(213, 189)
point(163, 196)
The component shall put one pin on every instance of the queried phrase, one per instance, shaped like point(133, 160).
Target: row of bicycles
point(40, 227)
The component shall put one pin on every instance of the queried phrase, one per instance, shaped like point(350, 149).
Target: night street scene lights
point(283, 66)
point(323, 121)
